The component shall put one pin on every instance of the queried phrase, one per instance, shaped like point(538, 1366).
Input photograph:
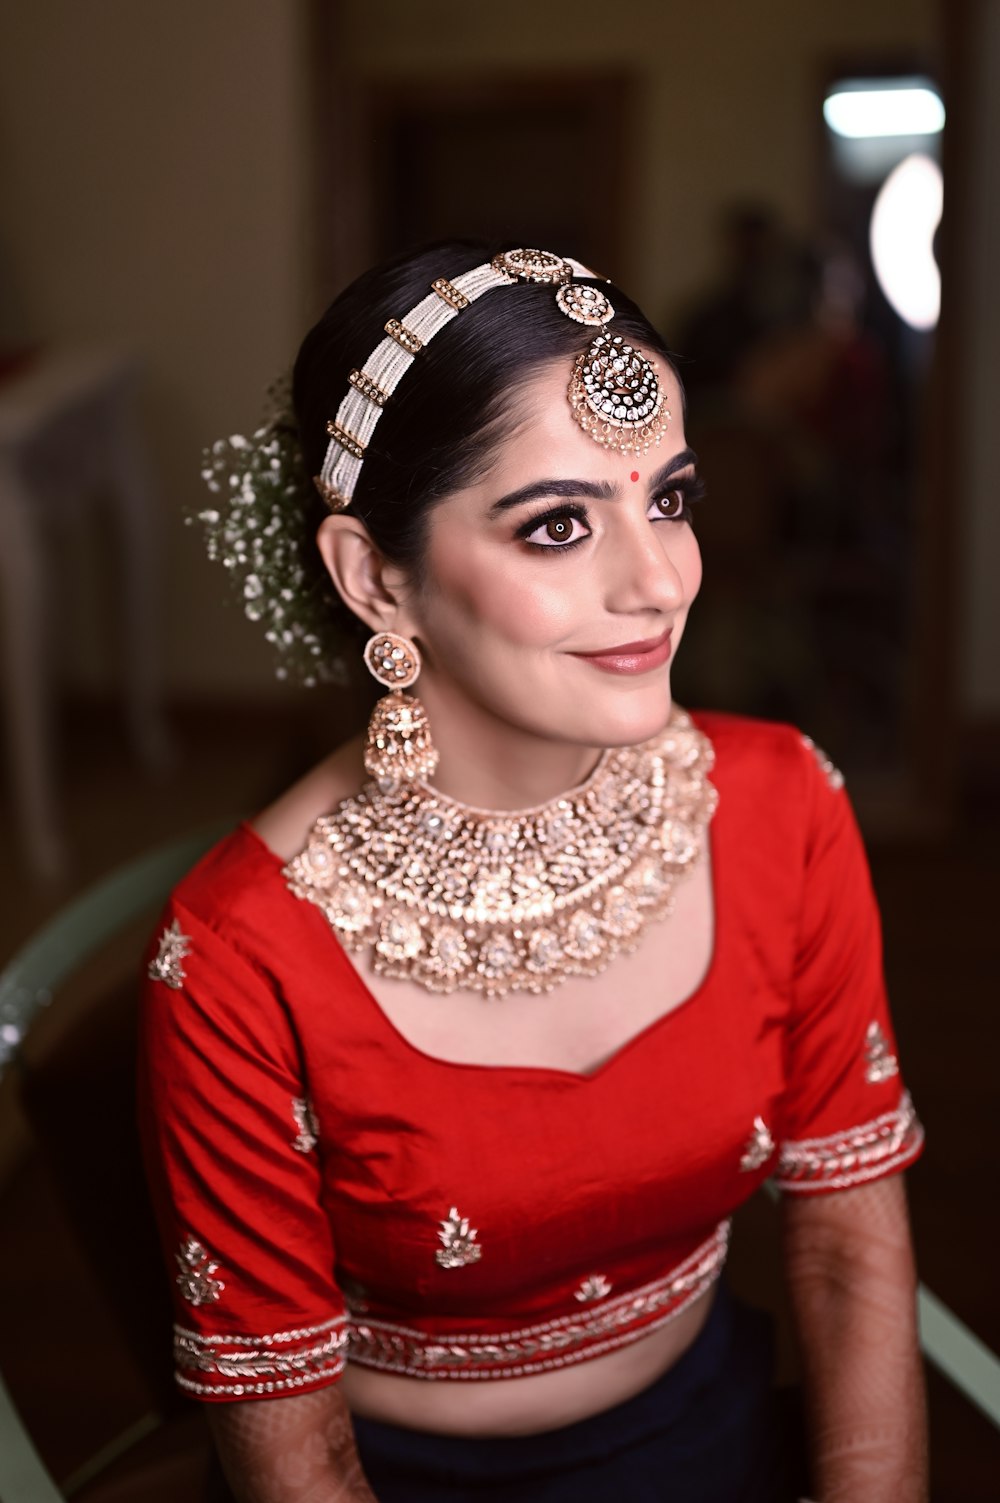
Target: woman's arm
point(849, 1265)
point(290, 1450)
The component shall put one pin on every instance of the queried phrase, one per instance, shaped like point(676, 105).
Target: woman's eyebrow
point(679, 462)
point(596, 490)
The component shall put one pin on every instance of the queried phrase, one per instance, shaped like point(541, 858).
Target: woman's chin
point(629, 721)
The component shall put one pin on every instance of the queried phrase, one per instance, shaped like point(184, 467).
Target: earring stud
point(392, 659)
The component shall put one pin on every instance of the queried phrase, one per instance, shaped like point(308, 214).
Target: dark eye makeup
point(558, 523)
point(670, 504)
point(675, 501)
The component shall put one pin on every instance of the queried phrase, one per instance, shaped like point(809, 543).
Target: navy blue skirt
point(711, 1430)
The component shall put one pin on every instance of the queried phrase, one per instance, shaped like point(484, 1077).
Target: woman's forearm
point(290, 1450)
point(853, 1288)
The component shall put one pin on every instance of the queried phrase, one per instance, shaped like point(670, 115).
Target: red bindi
point(635, 474)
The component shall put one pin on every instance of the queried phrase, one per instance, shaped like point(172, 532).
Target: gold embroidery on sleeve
point(166, 965)
point(760, 1146)
point(274, 1363)
point(853, 1156)
point(305, 1121)
point(196, 1279)
point(880, 1063)
point(833, 774)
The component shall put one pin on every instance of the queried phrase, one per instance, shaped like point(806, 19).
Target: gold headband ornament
point(614, 392)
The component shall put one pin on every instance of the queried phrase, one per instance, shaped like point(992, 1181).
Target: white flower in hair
point(262, 532)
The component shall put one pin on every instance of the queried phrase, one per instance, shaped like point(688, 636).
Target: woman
point(458, 1058)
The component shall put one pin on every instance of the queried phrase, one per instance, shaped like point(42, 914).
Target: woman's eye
point(557, 530)
point(671, 505)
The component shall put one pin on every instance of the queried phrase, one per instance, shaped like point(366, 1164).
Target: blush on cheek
point(538, 602)
point(477, 596)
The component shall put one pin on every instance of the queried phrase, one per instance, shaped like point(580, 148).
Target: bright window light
point(906, 214)
point(888, 111)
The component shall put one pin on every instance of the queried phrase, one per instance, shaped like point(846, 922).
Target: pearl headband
point(372, 386)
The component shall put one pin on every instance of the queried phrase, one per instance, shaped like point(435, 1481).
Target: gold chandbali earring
point(399, 746)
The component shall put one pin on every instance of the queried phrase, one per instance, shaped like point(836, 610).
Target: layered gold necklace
point(453, 897)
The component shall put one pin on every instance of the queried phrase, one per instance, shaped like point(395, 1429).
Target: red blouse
point(327, 1191)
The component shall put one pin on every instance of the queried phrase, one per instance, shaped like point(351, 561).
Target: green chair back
point(28, 984)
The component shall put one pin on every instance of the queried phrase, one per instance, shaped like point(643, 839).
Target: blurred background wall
point(153, 161)
point(160, 175)
point(980, 256)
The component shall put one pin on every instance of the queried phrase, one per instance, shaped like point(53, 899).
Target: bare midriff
point(528, 1405)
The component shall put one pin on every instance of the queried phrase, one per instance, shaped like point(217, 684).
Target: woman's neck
point(487, 763)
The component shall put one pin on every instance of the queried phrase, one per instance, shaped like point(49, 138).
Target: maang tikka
point(399, 746)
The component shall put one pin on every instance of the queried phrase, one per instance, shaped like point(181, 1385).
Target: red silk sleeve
point(232, 1150)
point(846, 1117)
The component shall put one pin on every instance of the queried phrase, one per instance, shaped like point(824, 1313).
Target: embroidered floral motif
point(880, 1063)
point(551, 1344)
point(196, 1279)
point(459, 1245)
point(596, 1287)
point(305, 1121)
point(257, 1362)
point(853, 1156)
point(166, 965)
point(833, 775)
point(760, 1146)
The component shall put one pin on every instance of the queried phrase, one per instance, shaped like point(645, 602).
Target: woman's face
point(542, 577)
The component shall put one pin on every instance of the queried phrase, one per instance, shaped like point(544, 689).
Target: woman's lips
point(631, 657)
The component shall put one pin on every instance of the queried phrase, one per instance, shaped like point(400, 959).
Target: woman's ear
point(369, 585)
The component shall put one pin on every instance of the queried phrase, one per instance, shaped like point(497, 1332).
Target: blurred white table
point(69, 436)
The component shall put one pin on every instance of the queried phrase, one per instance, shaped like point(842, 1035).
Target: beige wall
point(153, 195)
point(155, 174)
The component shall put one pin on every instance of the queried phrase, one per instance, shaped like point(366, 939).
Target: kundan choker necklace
point(452, 897)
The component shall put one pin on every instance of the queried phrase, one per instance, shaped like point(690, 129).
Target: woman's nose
point(644, 574)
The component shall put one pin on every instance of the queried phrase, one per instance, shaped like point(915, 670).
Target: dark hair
point(440, 428)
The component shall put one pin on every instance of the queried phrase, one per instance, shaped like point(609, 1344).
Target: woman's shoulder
point(284, 826)
point(769, 769)
point(238, 885)
point(746, 745)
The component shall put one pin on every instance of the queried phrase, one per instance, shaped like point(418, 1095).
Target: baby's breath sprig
point(260, 530)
